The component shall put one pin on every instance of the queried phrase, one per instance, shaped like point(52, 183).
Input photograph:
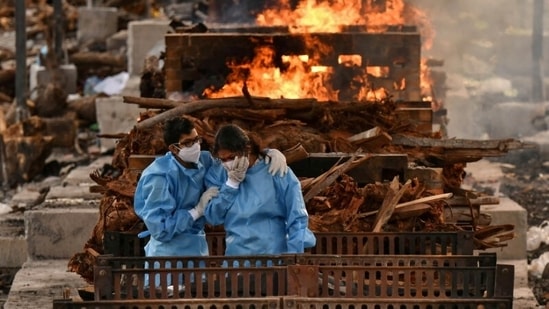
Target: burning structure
point(330, 50)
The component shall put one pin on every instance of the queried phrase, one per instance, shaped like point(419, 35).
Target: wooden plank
point(373, 132)
point(497, 145)
point(413, 104)
point(385, 49)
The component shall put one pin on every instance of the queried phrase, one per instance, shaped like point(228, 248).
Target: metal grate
point(309, 275)
point(218, 303)
point(287, 303)
point(186, 277)
point(439, 243)
point(393, 303)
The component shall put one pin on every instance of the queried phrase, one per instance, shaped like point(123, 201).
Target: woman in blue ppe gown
point(261, 214)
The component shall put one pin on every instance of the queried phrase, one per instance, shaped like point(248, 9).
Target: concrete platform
point(58, 233)
point(38, 283)
point(14, 251)
point(509, 212)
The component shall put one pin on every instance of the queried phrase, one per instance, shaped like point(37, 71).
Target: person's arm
point(217, 208)
point(159, 210)
point(297, 218)
point(276, 161)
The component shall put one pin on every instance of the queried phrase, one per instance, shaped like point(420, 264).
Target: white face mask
point(228, 164)
point(190, 154)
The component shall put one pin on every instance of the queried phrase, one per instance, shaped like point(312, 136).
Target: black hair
point(233, 138)
point(175, 127)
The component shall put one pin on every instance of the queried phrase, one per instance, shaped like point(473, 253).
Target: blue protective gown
point(165, 193)
point(265, 215)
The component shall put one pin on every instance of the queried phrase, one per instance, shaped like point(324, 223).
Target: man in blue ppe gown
point(261, 214)
point(169, 193)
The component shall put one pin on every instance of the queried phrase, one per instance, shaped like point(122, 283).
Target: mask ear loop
point(174, 149)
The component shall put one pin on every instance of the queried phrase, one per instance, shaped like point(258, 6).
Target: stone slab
point(58, 233)
point(14, 251)
point(114, 116)
point(487, 175)
point(143, 35)
point(72, 192)
point(81, 175)
point(96, 23)
point(26, 197)
point(509, 212)
point(38, 283)
point(118, 41)
point(40, 77)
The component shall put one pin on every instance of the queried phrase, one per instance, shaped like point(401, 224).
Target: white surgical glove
point(237, 171)
point(198, 210)
point(277, 162)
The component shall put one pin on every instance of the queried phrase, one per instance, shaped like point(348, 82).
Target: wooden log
point(84, 108)
point(323, 181)
point(295, 154)
point(464, 201)
point(7, 76)
point(389, 204)
point(410, 211)
point(25, 157)
point(63, 131)
point(7, 11)
point(6, 54)
point(502, 145)
point(3, 121)
point(259, 102)
point(494, 236)
point(254, 115)
point(189, 108)
point(4, 98)
point(51, 101)
point(371, 140)
point(152, 102)
point(442, 152)
point(98, 59)
point(373, 132)
point(414, 202)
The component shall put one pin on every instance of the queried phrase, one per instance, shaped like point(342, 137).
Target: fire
point(331, 16)
point(262, 78)
point(425, 81)
point(302, 75)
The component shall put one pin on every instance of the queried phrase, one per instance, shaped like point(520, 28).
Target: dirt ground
point(526, 181)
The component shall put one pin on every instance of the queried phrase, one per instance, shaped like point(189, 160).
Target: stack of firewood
point(334, 200)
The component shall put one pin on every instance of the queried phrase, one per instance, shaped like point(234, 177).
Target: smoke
point(487, 54)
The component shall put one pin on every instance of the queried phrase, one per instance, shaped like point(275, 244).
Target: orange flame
point(264, 79)
point(302, 76)
point(330, 16)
